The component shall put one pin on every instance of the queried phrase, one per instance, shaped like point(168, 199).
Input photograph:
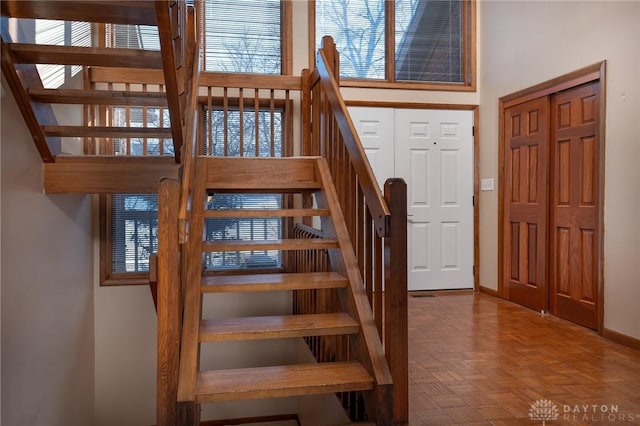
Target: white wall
point(525, 43)
point(47, 298)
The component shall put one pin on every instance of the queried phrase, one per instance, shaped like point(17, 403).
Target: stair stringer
point(367, 344)
point(188, 410)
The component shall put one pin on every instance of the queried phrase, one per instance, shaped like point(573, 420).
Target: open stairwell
point(342, 249)
point(363, 369)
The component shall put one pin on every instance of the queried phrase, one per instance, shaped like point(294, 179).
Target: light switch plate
point(486, 184)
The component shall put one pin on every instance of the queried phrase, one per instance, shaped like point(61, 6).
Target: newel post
point(395, 298)
point(168, 307)
point(332, 55)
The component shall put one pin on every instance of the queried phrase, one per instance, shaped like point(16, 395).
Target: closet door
point(525, 203)
point(574, 204)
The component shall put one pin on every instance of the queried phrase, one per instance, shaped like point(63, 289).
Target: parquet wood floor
point(478, 360)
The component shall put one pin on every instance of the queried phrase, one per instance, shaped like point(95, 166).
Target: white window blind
point(428, 40)
point(242, 36)
point(60, 33)
point(134, 231)
point(143, 37)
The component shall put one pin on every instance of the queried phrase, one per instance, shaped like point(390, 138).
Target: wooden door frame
point(476, 162)
point(594, 72)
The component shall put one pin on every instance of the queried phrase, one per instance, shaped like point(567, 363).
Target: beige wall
point(525, 43)
point(47, 299)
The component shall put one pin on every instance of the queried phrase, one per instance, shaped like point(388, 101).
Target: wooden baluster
point(225, 108)
point(241, 120)
point(305, 111)
point(256, 108)
point(210, 149)
point(161, 123)
point(128, 120)
point(272, 124)
point(378, 280)
point(144, 123)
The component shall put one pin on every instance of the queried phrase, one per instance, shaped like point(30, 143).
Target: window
point(401, 43)
point(61, 33)
point(129, 234)
point(245, 36)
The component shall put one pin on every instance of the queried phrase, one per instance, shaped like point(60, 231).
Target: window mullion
point(390, 40)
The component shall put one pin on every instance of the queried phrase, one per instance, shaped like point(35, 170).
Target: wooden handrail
point(366, 179)
point(377, 225)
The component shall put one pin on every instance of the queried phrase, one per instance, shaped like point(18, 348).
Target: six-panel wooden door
point(574, 204)
point(526, 137)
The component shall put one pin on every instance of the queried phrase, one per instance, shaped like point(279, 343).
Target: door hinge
point(473, 200)
point(473, 130)
point(474, 270)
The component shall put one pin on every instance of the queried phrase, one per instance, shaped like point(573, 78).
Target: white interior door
point(375, 127)
point(434, 154)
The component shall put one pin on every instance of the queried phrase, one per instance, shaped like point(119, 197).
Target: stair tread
point(277, 326)
point(129, 12)
point(272, 282)
point(108, 132)
point(255, 213)
point(87, 56)
point(98, 97)
point(266, 186)
point(281, 244)
point(281, 381)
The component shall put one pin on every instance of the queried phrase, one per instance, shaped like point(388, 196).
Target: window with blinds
point(60, 33)
point(134, 231)
point(425, 41)
point(242, 36)
point(428, 38)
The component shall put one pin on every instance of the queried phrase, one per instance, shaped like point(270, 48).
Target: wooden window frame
point(107, 276)
point(469, 61)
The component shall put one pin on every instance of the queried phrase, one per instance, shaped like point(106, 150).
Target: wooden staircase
point(336, 193)
point(66, 167)
point(362, 371)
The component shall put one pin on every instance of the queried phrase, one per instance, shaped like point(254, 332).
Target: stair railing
point(174, 210)
point(376, 221)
